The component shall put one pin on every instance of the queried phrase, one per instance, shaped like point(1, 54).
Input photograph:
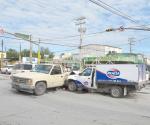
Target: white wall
point(4, 55)
point(98, 50)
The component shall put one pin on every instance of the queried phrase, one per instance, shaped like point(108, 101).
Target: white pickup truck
point(43, 76)
point(116, 79)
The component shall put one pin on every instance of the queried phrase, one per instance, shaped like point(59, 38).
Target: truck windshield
point(75, 68)
point(42, 68)
point(87, 72)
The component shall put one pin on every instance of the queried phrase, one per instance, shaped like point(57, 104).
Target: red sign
point(1, 31)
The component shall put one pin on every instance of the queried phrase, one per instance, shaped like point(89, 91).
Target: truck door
point(57, 76)
point(86, 77)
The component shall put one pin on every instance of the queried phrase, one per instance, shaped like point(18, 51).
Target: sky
point(53, 20)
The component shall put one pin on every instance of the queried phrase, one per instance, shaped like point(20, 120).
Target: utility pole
point(131, 43)
point(30, 48)
point(2, 44)
point(20, 54)
point(39, 55)
point(81, 29)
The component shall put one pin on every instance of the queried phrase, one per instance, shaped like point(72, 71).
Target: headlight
point(29, 81)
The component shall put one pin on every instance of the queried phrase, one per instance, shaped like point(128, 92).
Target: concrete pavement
point(66, 108)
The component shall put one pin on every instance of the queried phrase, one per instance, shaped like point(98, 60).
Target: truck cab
point(43, 76)
point(83, 80)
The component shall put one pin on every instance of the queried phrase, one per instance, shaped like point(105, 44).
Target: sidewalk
point(4, 77)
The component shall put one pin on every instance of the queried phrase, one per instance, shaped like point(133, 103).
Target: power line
point(56, 44)
point(135, 41)
point(143, 29)
point(17, 39)
point(65, 50)
point(140, 26)
point(112, 10)
point(66, 37)
point(60, 38)
point(125, 15)
point(116, 11)
point(11, 38)
point(95, 33)
point(41, 40)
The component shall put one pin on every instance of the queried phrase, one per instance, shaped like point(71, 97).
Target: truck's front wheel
point(72, 86)
point(116, 91)
point(40, 88)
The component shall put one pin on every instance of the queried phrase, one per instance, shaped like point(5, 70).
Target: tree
point(26, 53)
point(12, 54)
point(46, 51)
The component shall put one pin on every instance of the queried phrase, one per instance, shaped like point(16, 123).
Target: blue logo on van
point(113, 73)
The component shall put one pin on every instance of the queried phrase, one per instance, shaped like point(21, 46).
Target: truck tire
point(40, 88)
point(72, 86)
point(116, 91)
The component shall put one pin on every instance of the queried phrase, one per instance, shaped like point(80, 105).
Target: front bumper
point(22, 87)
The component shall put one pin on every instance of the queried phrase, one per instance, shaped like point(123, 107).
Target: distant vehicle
point(147, 75)
point(7, 69)
point(37, 81)
point(148, 72)
point(116, 79)
point(75, 70)
point(18, 68)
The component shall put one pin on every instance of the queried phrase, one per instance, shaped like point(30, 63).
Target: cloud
point(53, 19)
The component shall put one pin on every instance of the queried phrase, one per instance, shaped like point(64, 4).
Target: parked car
point(147, 75)
point(148, 72)
point(7, 69)
point(37, 81)
point(18, 68)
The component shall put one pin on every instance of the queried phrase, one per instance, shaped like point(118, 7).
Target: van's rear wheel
point(72, 86)
point(116, 91)
point(40, 88)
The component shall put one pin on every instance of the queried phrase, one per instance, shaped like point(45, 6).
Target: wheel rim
point(40, 88)
point(72, 87)
point(115, 92)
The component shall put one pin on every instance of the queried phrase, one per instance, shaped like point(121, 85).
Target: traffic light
point(109, 30)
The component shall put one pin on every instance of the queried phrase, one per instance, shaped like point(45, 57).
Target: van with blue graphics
point(116, 79)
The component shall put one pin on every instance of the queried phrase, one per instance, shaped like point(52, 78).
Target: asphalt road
point(66, 108)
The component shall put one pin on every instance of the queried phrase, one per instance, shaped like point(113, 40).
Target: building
point(4, 54)
point(4, 59)
point(97, 50)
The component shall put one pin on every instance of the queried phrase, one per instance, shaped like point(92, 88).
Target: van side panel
point(117, 74)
